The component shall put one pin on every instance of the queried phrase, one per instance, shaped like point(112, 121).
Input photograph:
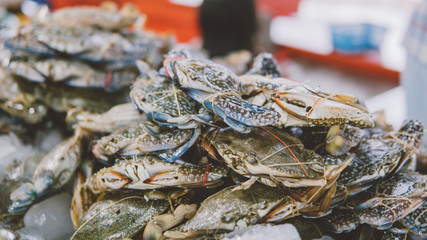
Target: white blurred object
point(51, 218)
point(306, 34)
point(314, 17)
point(277, 232)
point(393, 102)
point(188, 3)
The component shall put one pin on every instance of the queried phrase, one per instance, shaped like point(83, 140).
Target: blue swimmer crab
point(124, 214)
point(276, 159)
point(231, 209)
point(146, 138)
point(106, 16)
point(16, 174)
point(73, 73)
point(394, 198)
point(376, 158)
point(150, 172)
point(219, 90)
point(54, 170)
point(416, 222)
point(164, 103)
point(88, 44)
point(298, 105)
point(18, 103)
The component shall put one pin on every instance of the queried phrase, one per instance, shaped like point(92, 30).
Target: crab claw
point(158, 224)
point(107, 179)
point(22, 197)
point(43, 181)
point(189, 176)
point(23, 193)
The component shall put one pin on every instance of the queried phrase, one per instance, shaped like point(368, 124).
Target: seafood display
point(191, 149)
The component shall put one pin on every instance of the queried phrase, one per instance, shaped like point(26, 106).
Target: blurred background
point(348, 46)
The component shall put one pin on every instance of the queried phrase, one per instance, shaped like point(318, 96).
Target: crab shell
point(166, 104)
point(201, 74)
point(389, 211)
point(416, 221)
point(341, 221)
point(141, 139)
point(118, 216)
point(403, 184)
point(150, 172)
point(273, 155)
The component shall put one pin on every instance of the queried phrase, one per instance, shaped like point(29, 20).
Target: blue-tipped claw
point(172, 157)
point(43, 182)
point(19, 206)
point(234, 110)
point(25, 192)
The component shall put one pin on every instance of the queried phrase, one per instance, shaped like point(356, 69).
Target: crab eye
point(307, 109)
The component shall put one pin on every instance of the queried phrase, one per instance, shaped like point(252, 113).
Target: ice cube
point(265, 231)
point(51, 217)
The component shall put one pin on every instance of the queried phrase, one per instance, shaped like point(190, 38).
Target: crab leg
point(161, 223)
point(322, 111)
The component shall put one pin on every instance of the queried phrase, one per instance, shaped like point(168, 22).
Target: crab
point(377, 158)
point(107, 16)
point(143, 138)
point(16, 174)
point(229, 210)
point(276, 159)
point(218, 90)
point(17, 103)
point(298, 105)
point(150, 172)
point(73, 73)
point(416, 221)
point(89, 44)
point(164, 103)
point(53, 172)
point(124, 214)
point(62, 98)
point(342, 221)
point(394, 199)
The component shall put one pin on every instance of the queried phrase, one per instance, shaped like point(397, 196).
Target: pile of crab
point(77, 57)
point(199, 152)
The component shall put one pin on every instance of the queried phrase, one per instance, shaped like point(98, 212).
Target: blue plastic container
point(356, 38)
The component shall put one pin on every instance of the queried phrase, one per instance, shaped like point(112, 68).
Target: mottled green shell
point(118, 216)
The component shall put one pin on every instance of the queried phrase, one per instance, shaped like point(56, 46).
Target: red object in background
point(362, 63)
point(277, 7)
point(162, 15)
